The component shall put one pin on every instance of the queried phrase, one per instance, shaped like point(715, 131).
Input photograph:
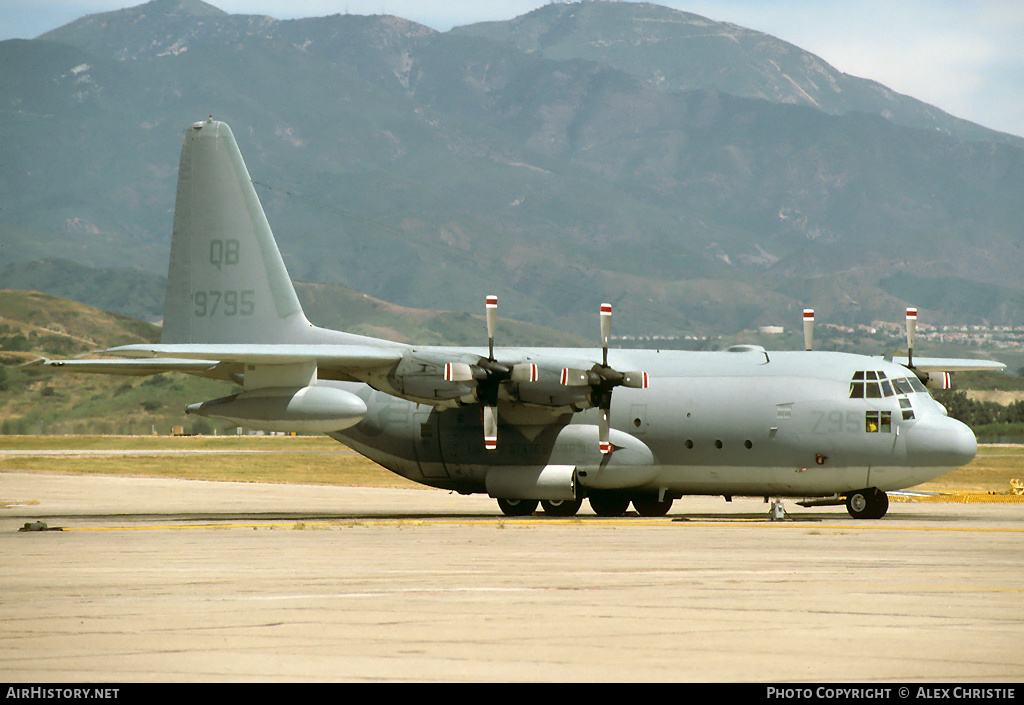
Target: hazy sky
point(964, 56)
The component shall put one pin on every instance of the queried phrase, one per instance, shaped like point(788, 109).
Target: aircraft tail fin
point(227, 282)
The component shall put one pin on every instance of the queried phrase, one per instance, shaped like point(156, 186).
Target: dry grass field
point(281, 459)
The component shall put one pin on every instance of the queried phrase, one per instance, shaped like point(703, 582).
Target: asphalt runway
point(175, 580)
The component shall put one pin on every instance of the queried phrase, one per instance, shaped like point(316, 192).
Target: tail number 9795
point(225, 303)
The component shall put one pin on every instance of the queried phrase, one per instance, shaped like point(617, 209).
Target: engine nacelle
point(420, 376)
point(313, 409)
point(549, 391)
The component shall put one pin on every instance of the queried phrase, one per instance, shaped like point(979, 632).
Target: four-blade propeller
point(602, 379)
point(489, 374)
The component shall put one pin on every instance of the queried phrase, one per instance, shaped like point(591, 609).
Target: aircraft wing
point(324, 355)
point(222, 361)
point(939, 364)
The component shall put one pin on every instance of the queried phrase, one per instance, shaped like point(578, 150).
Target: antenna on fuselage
point(808, 328)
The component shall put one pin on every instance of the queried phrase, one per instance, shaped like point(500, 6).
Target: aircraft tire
point(517, 507)
point(649, 506)
point(561, 507)
point(871, 503)
point(881, 504)
point(608, 504)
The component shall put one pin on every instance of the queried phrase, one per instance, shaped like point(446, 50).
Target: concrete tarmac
point(175, 580)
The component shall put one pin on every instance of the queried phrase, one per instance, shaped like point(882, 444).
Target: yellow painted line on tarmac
point(962, 498)
point(501, 523)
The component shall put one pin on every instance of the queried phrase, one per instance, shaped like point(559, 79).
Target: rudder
point(226, 282)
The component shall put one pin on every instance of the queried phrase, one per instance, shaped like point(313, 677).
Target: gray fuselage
point(745, 422)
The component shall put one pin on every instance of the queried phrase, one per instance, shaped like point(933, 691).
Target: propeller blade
point(457, 372)
point(492, 321)
point(524, 372)
point(911, 331)
point(603, 431)
point(635, 380)
point(490, 427)
point(574, 378)
point(808, 328)
point(606, 329)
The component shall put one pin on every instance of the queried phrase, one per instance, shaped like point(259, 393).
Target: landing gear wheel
point(871, 503)
point(517, 507)
point(649, 506)
point(881, 504)
point(561, 507)
point(609, 504)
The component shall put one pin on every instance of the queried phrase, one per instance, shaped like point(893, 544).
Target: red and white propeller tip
point(808, 328)
point(911, 332)
point(490, 428)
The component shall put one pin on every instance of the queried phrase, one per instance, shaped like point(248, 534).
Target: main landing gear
point(517, 507)
point(604, 504)
point(871, 503)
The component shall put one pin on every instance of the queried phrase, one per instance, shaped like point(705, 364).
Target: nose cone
point(940, 442)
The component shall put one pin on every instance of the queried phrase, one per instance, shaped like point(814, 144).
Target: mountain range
point(700, 176)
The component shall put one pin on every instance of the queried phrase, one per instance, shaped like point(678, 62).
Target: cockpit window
point(872, 384)
point(902, 386)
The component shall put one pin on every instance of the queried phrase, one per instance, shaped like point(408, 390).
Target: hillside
point(567, 157)
point(34, 401)
point(680, 51)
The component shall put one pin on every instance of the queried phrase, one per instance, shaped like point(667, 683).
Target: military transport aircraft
point(530, 425)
